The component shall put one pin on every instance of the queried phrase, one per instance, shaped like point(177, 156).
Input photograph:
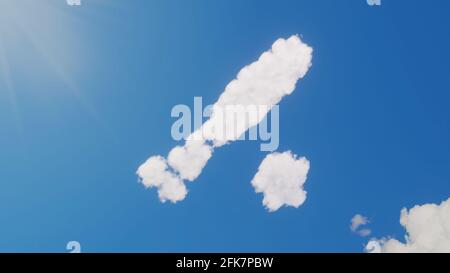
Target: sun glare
point(40, 37)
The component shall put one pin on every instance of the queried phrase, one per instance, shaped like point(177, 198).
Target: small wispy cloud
point(73, 2)
point(357, 222)
point(374, 2)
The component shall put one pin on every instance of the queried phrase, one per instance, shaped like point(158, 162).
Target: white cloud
point(364, 232)
point(154, 173)
point(280, 178)
point(374, 2)
point(427, 230)
point(190, 159)
point(357, 222)
point(73, 2)
point(264, 82)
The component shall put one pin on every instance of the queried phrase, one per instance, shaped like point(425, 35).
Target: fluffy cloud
point(262, 83)
point(190, 159)
point(155, 173)
point(427, 230)
point(358, 221)
point(280, 178)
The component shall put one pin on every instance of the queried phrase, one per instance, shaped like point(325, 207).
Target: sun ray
point(37, 22)
point(9, 86)
point(61, 72)
point(59, 69)
point(98, 9)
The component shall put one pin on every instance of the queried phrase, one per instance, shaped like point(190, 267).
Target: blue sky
point(86, 94)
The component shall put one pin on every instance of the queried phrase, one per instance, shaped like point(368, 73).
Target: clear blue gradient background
point(372, 116)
